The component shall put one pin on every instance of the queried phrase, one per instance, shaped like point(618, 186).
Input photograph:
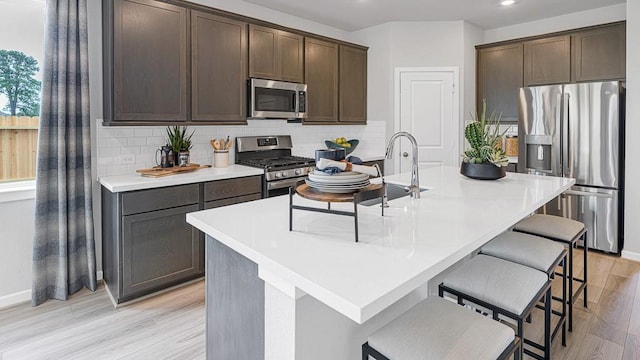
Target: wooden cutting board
point(160, 172)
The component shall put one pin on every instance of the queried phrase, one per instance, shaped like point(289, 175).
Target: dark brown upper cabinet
point(599, 54)
point(353, 85)
point(547, 61)
point(180, 63)
point(321, 77)
point(145, 55)
point(275, 54)
point(218, 69)
point(499, 79)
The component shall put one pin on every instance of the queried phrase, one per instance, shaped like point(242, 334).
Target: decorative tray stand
point(372, 191)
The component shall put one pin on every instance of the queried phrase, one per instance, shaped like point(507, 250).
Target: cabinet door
point(500, 79)
point(218, 62)
point(263, 54)
point(159, 249)
point(150, 61)
point(599, 54)
point(547, 61)
point(353, 85)
point(291, 56)
point(275, 54)
point(321, 76)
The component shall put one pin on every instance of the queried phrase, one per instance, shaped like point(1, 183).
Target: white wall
point(579, 19)
point(16, 245)
point(380, 74)
point(16, 236)
point(418, 44)
point(632, 198)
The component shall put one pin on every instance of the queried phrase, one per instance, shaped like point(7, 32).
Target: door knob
point(405, 154)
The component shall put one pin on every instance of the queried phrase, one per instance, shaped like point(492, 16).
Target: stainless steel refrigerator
point(576, 130)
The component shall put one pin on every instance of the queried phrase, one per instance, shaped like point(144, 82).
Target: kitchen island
point(314, 293)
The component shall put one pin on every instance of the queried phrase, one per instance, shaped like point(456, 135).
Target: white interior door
point(427, 106)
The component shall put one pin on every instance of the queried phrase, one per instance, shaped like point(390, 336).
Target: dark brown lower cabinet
point(147, 244)
point(159, 248)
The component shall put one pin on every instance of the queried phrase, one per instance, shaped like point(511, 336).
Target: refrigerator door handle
point(566, 161)
point(587, 193)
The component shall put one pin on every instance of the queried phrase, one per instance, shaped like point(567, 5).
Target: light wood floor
point(171, 325)
point(87, 327)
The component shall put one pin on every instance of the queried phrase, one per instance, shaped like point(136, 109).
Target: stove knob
point(278, 175)
point(298, 171)
point(285, 174)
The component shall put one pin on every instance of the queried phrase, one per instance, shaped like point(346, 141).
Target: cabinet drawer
point(223, 189)
point(231, 201)
point(135, 202)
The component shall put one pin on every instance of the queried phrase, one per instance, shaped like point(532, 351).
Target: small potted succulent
point(485, 160)
point(180, 143)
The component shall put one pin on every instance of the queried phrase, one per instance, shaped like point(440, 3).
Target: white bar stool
point(537, 253)
point(506, 289)
point(439, 329)
point(568, 232)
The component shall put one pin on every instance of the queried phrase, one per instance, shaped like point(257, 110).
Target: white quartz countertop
point(414, 241)
point(121, 183)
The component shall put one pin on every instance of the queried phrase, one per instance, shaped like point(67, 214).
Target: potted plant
point(180, 143)
point(485, 160)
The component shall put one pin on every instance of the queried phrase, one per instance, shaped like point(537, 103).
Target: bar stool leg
point(521, 336)
point(570, 288)
point(547, 325)
point(564, 301)
point(584, 262)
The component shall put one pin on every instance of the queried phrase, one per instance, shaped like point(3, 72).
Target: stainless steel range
point(273, 154)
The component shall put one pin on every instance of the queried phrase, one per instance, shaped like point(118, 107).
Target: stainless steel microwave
point(269, 99)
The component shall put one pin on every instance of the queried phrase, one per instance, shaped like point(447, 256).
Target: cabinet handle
point(405, 154)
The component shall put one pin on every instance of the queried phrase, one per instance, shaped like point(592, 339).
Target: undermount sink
point(394, 191)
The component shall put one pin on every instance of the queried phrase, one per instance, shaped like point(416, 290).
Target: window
point(21, 54)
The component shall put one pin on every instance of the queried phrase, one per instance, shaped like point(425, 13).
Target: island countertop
point(414, 241)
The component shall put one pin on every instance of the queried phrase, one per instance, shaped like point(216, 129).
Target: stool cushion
point(528, 250)
point(550, 226)
point(439, 329)
point(504, 284)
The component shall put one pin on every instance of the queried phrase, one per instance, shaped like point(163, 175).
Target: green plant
point(483, 134)
point(178, 139)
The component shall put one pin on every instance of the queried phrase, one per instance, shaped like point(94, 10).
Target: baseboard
point(25, 296)
point(631, 255)
point(15, 299)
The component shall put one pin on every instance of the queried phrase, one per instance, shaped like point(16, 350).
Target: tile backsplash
point(122, 150)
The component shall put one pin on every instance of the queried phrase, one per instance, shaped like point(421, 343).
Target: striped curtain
point(64, 257)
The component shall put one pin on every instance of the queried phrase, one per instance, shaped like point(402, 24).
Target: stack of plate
point(341, 183)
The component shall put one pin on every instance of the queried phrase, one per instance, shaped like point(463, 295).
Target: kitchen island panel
point(236, 294)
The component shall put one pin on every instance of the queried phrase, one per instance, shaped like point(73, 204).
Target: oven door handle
point(279, 184)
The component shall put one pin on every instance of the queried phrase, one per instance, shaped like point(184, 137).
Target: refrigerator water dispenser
point(538, 152)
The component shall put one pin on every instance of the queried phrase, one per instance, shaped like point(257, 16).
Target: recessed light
point(507, 2)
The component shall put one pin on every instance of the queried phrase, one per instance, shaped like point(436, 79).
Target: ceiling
point(353, 15)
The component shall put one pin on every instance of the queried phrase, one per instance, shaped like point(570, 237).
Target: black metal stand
point(357, 198)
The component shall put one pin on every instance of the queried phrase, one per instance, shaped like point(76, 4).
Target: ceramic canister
point(332, 154)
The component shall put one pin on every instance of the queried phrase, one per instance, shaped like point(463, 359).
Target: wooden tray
point(310, 193)
point(160, 172)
